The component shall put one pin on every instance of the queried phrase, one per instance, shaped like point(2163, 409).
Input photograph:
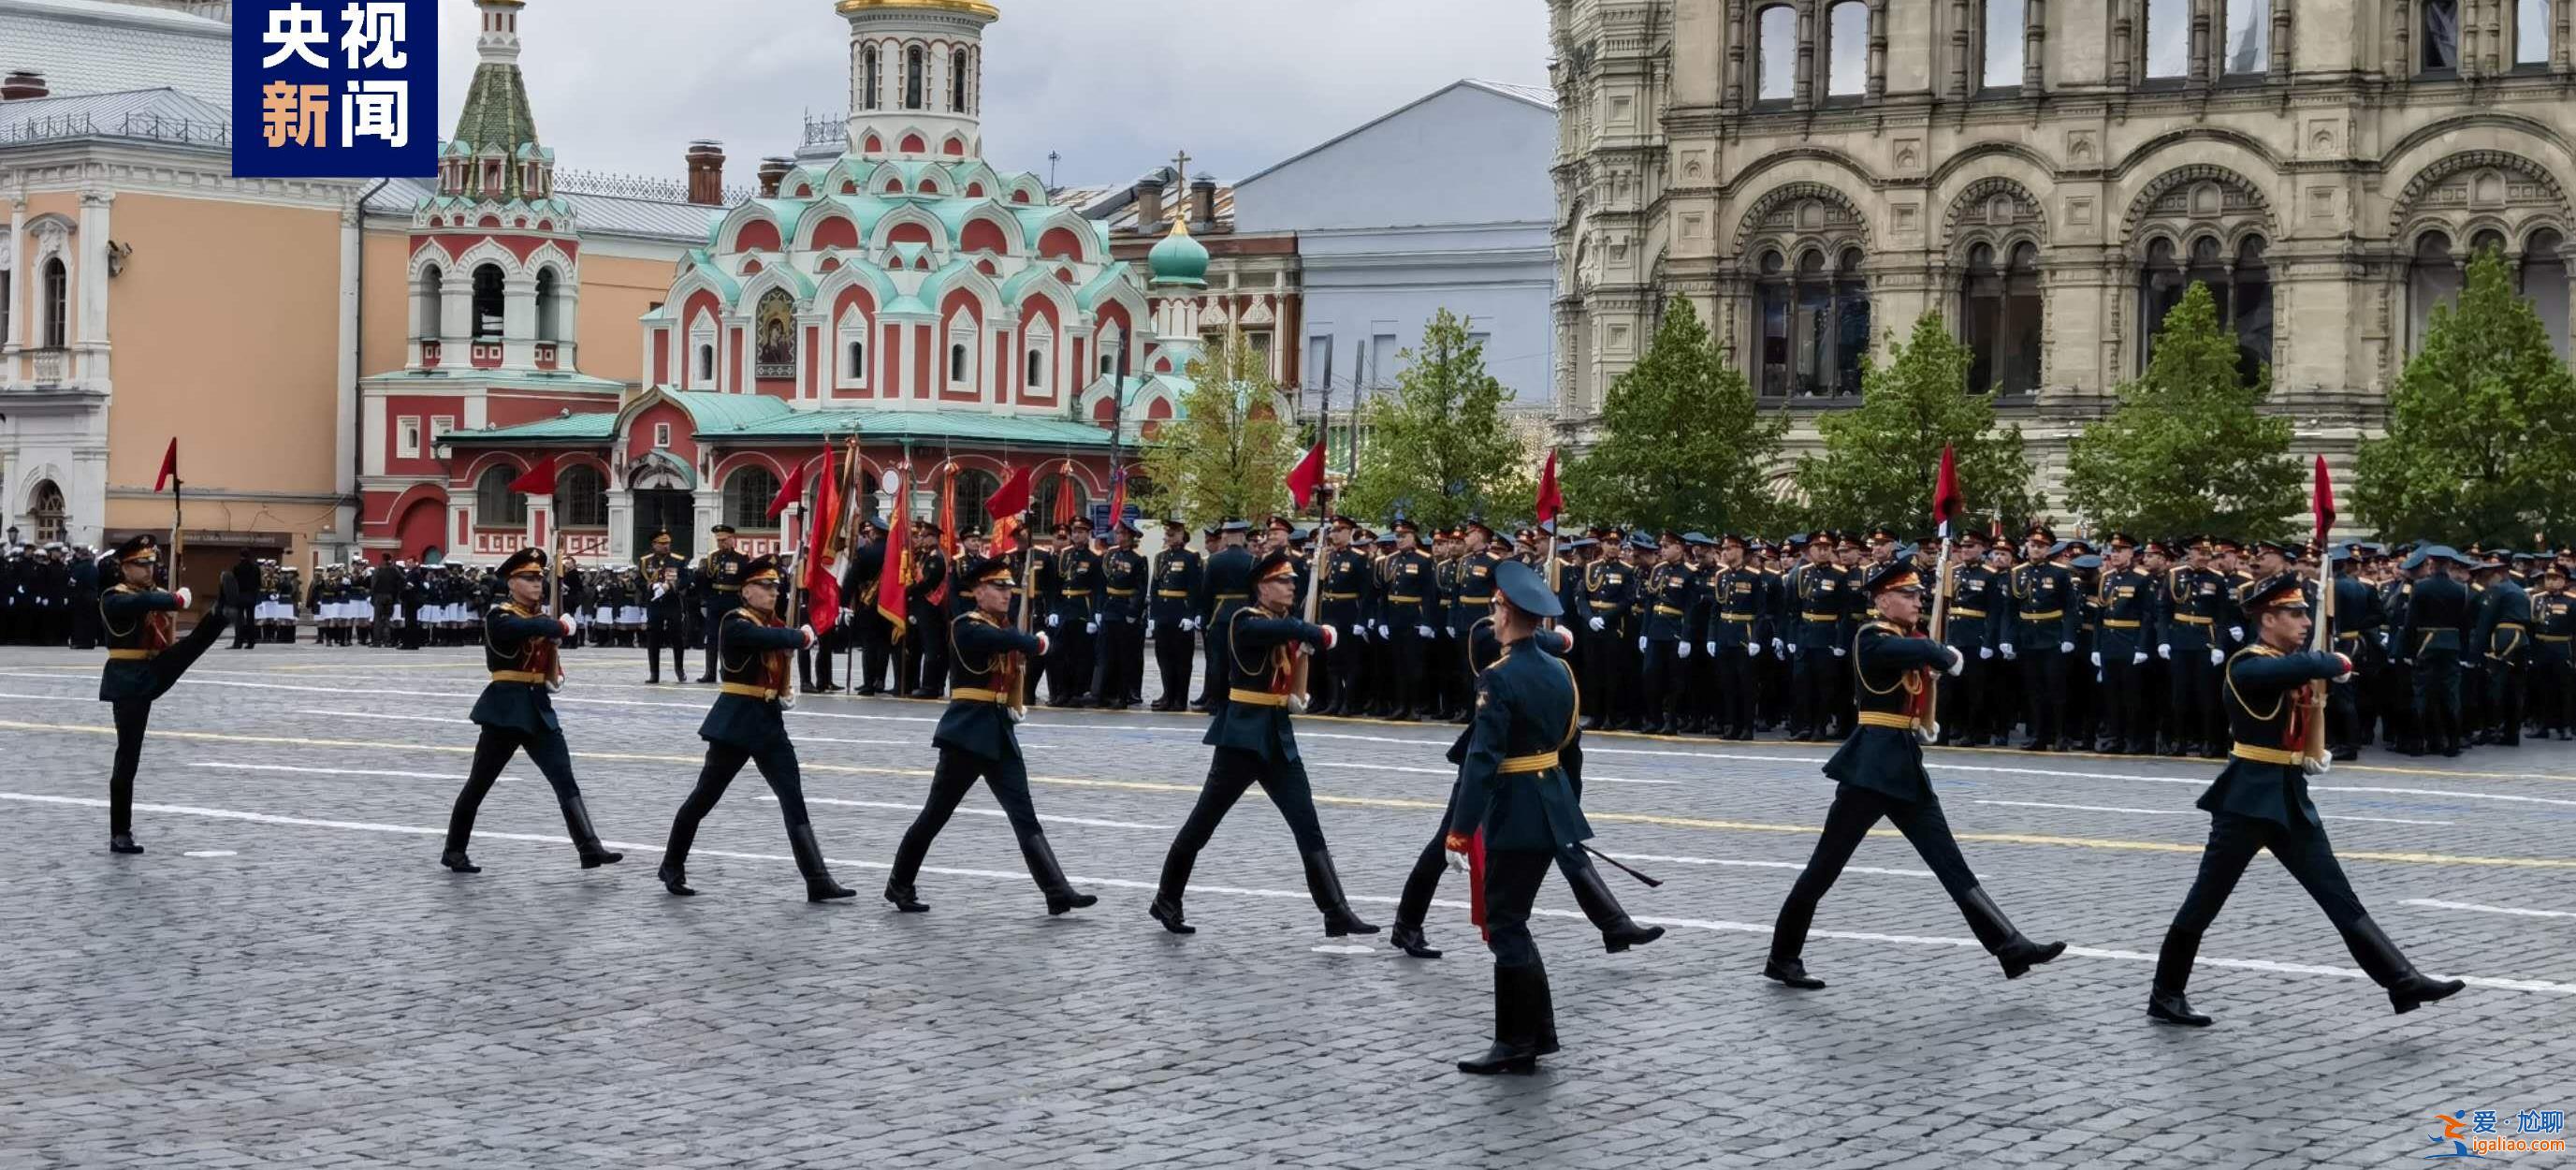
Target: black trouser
point(1118, 666)
point(1734, 671)
point(492, 751)
point(1605, 670)
point(245, 631)
point(1855, 811)
point(1812, 675)
point(667, 632)
point(2302, 849)
point(2192, 692)
point(2505, 699)
point(1663, 680)
point(1962, 706)
point(84, 621)
point(381, 632)
point(133, 717)
point(1512, 877)
point(1008, 780)
point(2043, 683)
point(2437, 699)
point(777, 761)
point(1230, 774)
point(2121, 698)
point(717, 606)
point(1172, 659)
point(1406, 650)
point(1342, 665)
point(2554, 689)
point(876, 643)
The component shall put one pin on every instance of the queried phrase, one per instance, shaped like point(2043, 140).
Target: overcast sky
point(1114, 86)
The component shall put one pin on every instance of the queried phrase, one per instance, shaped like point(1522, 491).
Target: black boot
point(1167, 910)
point(1515, 1047)
point(456, 862)
point(584, 837)
point(1408, 938)
point(901, 894)
point(675, 879)
point(1618, 931)
point(1788, 943)
point(1792, 972)
point(1060, 894)
point(1326, 886)
point(2165, 999)
point(2408, 988)
point(124, 843)
point(1987, 921)
point(819, 886)
point(1542, 1007)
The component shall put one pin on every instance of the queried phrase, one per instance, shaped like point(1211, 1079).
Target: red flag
point(1945, 493)
point(1308, 475)
point(1006, 506)
point(169, 465)
point(1476, 884)
point(1067, 505)
point(822, 578)
point(789, 492)
point(1117, 497)
point(2324, 503)
point(1550, 500)
point(897, 572)
point(539, 481)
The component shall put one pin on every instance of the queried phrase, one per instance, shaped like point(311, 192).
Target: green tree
point(1880, 460)
point(2481, 440)
point(2189, 449)
point(1228, 454)
point(1682, 444)
point(1439, 445)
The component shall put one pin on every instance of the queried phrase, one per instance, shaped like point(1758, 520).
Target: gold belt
point(976, 695)
point(132, 655)
point(1171, 593)
point(1607, 604)
point(1122, 593)
point(2502, 624)
point(1406, 600)
point(2554, 638)
point(1820, 617)
point(1740, 617)
point(2117, 624)
point(519, 676)
point(1255, 698)
point(748, 691)
point(728, 588)
point(1486, 600)
point(1668, 611)
point(1341, 597)
point(2051, 615)
point(1886, 719)
point(1524, 765)
point(2195, 619)
point(2263, 755)
point(1974, 613)
point(1073, 593)
point(1232, 596)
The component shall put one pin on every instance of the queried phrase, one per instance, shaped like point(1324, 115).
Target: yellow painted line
point(1654, 819)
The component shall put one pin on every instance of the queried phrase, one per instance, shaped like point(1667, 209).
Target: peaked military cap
point(762, 570)
point(141, 549)
point(1526, 590)
point(526, 558)
point(986, 570)
point(2279, 591)
point(1894, 575)
point(1277, 564)
point(723, 530)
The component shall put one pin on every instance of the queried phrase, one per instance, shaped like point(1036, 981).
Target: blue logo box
point(335, 89)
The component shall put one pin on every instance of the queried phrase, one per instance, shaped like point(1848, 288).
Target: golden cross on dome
point(1180, 189)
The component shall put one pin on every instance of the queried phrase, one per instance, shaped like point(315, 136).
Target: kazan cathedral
point(906, 295)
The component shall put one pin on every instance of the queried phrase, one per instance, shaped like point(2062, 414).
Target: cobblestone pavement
point(288, 978)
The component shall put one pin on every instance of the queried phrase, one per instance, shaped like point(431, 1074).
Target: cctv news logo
point(338, 89)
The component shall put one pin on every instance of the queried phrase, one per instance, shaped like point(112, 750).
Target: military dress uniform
point(2553, 668)
point(2503, 637)
point(1608, 589)
point(2195, 605)
point(516, 714)
point(719, 580)
point(1667, 593)
point(1967, 715)
point(1255, 744)
point(978, 739)
point(1177, 573)
point(1739, 628)
point(1816, 620)
point(2260, 801)
point(2431, 638)
point(145, 659)
point(1470, 601)
point(666, 620)
point(2127, 602)
point(1879, 774)
point(1348, 597)
point(1226, 588)
point(2047, 610)
point(2356, 621)
point(748, 723)
point(1409, 611)
point(1118, 675)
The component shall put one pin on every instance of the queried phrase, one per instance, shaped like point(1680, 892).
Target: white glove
point(1457, 860)
point(1958, 661)
point(1092, 626)
point(183, 595)
point(1681, 649)
point(1711, 648)
point(1189, 625)
point(1388, 632)
point(1597, 624)
point(1753, 650)
point(1565, 641)
point(1793, 649)
point(808, 631)
point(2066, 647)
point(1424, 632)
point(2138, 658)
point(1984, 652)
point(2007, 649)
point(2235, 633)
point(2097, 658)
point(1775, 645)
point(1149, 627)
point(1332, 637)
point(1054, 620)
point(2164, 650)
point(1641, 643)
point(569, 625)
point(2346, 676)
point(1043, 643)
point(1839, 652)
point(2217, 656)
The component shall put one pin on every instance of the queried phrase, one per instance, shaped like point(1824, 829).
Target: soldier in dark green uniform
point(748, 723)
point(977, 740)
point(2261, 802)
point(515, 713)
point(2046, 610)
point(2553, 668)
point(144, 660)
point(720, 584)
point(1518, 795)
point(1170, 620)
point(2430, 638)
point(1879, 771)
point(2194, 610)
point(1256, 745)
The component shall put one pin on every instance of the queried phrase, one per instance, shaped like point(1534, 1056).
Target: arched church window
point(852, 333)
point(958, 364)
point(872, 68)
point(581, 497)
point(2433, 279)
point(747, 493)
point(488, 305)
point(2531, 20)
point(1847, 49)
point(2004, 32)
point(915, 65)
point(1999, 318)
point(1059, 498)
point(2240, 289)
point(1037, 370)
point(2441, 37)
point(51, 515)
point(495, 505)
point(1776, 44)
point(2544, 284)
point(549, 307)
point(433, 298)
point(974, 486)
point(957, 81)
point(2168, 39)
point(2247, 52)
point(58, 304)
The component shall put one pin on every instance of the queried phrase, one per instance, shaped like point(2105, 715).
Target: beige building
point(1815, 175)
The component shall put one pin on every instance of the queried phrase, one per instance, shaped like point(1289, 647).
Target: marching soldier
point(748, 724)
point(1976, 597)
point(720, 583)
point(2045, 614)
point(1347, 600)
point(2127, 601)
point(1225, 588)
point(144, 660)
point(1170, 620)
point(2260, 801)
point(1255, 744)
point(977, 741)
point(1119, 675)
point(1879, 771)
point(515, 713)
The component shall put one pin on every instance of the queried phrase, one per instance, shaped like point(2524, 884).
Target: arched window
point(433, 298)
point(873, 69)
point(487, 302)
point(2004, 32)
point(1776, 43)
point(1814, 322)
point(959, 363)
point(2433, 279)
point(852, 334)
point(2441, 37)
point(58, 304)
point(1059, 498)
point(746, 499)
point(1847, 49)
point(2531, 35)
point(1999, 317)
point(2251, 301)
point(2248, 48)
point(2168, 39)
point(495, 505)
point(581, 497)
point(2544, 284)
point(1041, 353)
point(915, 65)
point(48, 510)
point(2240, 288)
point(706, 363)
point(974, 487)
point(957, 81)
point(549, 307)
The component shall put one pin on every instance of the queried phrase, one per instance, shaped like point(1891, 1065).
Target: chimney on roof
point(706, 173)
point(1203, 200)
point(1149, 202)
point(773, 171)
point(22, 84)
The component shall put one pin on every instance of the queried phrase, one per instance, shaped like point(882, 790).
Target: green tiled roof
point(894, 426)
point(721, 414)
point(595, 427)
point(497, 116)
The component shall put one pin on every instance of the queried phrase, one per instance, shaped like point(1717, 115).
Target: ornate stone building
point(2049, 176)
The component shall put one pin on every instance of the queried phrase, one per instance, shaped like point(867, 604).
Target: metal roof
point(677, 222)
point(1519, 93)
point(594, 427)
point(742, 418)
point(159, 115)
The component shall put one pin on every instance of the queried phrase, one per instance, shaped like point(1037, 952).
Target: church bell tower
point(917, 77)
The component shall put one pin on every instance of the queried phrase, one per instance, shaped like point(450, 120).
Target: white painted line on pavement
point(2474, 908)
point(382, 715)
point(2541, 986)
point(1741, 863)
point(326, 771)
point(1453, 772)
point(2182, 812)
point(972, 812)
point(210, 853)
